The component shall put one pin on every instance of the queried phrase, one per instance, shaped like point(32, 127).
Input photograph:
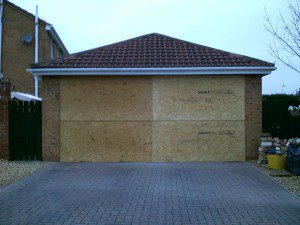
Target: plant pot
point(295, 113)
point(276, 162)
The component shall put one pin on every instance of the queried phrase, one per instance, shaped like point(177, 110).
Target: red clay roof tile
point(153, 51)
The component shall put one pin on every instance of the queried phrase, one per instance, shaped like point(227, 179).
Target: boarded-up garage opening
point(177, 101)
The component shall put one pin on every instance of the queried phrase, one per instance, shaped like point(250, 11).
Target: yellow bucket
point(276, 162)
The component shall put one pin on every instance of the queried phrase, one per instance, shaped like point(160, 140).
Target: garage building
point(151, 98)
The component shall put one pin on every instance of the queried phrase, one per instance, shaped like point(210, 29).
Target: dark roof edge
point(24, 12)
point(54, 34)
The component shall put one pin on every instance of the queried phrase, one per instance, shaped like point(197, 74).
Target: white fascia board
point(151, 71)
point(55, 37)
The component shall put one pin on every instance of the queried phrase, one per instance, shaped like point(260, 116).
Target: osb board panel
point(106, 98)
point(105, 141)
point(199, 98)
point(198, 141)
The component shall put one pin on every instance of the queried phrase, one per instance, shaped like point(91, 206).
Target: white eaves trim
point(56, 38)
point(151, 71)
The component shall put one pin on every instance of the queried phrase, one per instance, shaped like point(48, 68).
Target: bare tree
point(286, 33)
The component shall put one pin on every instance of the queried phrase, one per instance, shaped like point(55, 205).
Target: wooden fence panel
point(25, 130)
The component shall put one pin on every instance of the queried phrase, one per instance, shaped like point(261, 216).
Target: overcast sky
point(232, 25)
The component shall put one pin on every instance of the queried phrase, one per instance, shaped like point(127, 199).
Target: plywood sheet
point(137, 119)
point(198, 141)
point(199, 98)
point(106, 98)
point(105, 141)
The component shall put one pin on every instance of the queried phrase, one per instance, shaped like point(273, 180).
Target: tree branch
point(276, 54)
point(288, 38)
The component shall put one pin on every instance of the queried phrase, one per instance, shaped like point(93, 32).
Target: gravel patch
point(284, 178)
point(11, 171)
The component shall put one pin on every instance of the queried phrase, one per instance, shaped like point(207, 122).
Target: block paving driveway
point(148, 193)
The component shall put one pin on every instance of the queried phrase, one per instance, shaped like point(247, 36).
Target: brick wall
point(50, 119)
point(253, 114)
point(16, 24)
point(4, 100)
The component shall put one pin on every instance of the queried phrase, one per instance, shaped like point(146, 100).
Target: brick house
point(18, 46)
point(151, 98)
point(18, 53)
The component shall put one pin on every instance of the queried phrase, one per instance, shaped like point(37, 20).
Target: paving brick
point(148, 193)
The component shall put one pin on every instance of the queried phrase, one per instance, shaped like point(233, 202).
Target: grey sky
point(232, 25)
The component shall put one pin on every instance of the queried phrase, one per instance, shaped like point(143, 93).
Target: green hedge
point(276, 118)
